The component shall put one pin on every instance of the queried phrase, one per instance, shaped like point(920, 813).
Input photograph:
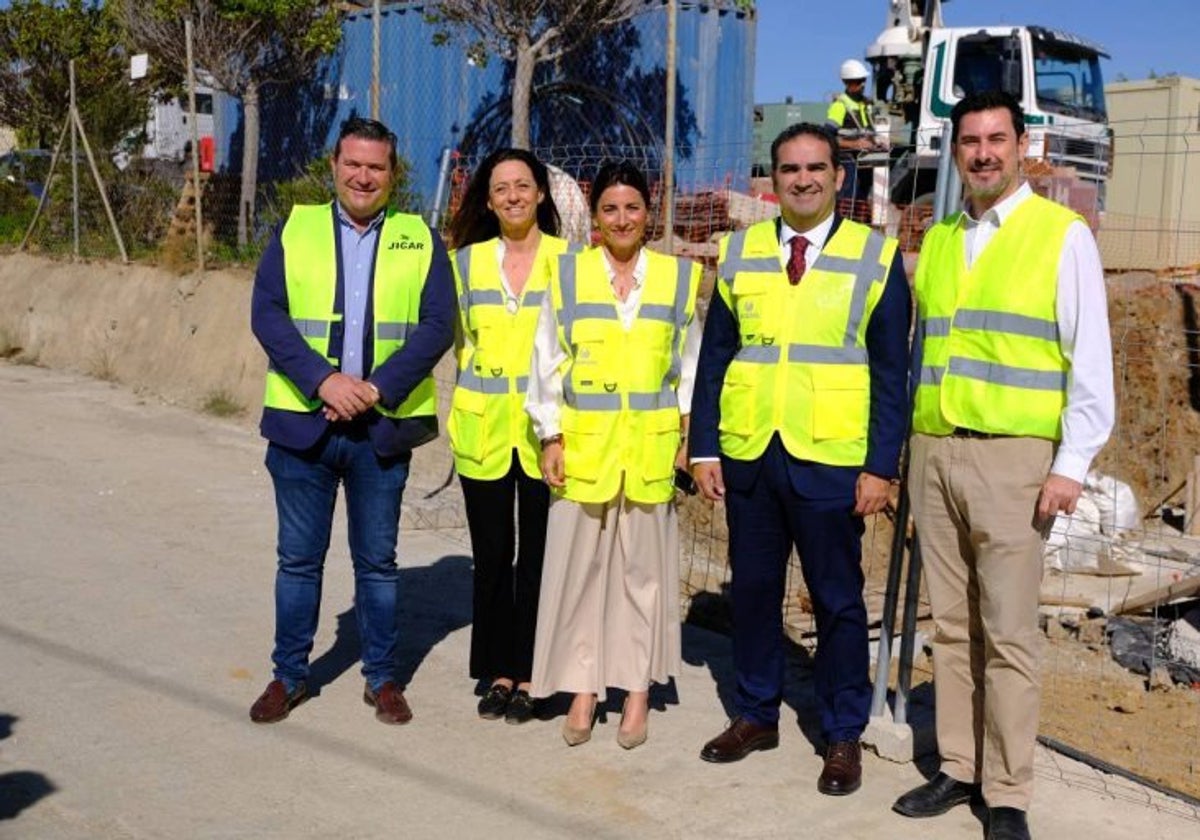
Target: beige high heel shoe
point(574, 736)
point(629, 740)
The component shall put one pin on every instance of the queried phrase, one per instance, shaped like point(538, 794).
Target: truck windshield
point(1068, 80)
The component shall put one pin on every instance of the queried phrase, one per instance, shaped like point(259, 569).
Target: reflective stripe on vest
point(487, 418)
point(990, 353)
point(620, 416)
point(817, 396)
point(310, 242)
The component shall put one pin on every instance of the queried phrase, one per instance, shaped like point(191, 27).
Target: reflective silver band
point(1006, 322)
point(935, 327)
point(469, 380)
point(1033, 380)
point(761, 354)
point(311, 328)
point(392, 330)
point(820, 354)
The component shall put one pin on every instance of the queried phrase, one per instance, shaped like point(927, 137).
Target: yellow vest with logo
point(487, 412)
point(402, 259)
point(801, 367)
point(990, 354)
point(620, 415)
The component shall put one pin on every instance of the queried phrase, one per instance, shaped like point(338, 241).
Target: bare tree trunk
point(250, 134)
point(521, 93)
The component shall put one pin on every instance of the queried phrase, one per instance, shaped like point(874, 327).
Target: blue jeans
point(306, 485)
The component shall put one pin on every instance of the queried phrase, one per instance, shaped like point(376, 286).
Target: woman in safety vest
point(505, 234)
point(614, 362)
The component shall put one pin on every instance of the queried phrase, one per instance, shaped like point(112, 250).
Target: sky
point(801, 43)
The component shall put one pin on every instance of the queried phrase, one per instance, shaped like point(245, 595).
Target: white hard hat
point(852, 68)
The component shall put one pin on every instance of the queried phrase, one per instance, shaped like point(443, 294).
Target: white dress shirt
point(1082, 314)
point(544, 399)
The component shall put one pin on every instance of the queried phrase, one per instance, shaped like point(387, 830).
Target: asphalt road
point(136, 554)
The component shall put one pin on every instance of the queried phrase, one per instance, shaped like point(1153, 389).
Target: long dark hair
point(474, 222)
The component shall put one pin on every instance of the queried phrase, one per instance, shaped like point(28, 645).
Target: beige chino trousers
point(973, 502)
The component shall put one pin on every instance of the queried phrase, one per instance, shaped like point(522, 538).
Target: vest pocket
point(659, 445)
point(587, 444)
point(841, 400)
point(737, 400)
point(467, 424)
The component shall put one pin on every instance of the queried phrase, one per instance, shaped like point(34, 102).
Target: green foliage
point(221, 403)
point(315, 186)
point(16, 209)
point(37, 40)
point(142, 202)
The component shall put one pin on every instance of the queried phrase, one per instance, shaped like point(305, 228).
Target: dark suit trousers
point(767, 516)
point(506, 596)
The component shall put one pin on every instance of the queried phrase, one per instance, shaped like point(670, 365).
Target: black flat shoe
point(493, 704)
point(937, 796)
point(520, 707)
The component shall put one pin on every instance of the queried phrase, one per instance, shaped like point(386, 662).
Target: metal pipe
point(891, 597)
point(376, 26)
point(908, 632)
point(443, 177)
point(668, 173)
point(945, 164)
point(74, 161)
point(197, 190)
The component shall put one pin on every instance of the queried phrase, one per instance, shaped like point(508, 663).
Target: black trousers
point(506, 594)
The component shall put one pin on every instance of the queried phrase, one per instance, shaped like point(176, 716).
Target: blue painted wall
point(432, 97)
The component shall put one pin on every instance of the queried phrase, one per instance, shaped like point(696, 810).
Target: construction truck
point(922, 68)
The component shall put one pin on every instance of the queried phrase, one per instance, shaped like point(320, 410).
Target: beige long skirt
point(608, 614)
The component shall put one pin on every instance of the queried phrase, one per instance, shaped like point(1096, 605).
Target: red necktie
point(796, 264)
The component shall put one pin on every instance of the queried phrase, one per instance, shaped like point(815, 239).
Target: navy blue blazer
point(888, 362)
point(289, 353)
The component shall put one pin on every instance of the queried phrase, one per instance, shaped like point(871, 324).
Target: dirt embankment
point(184, 339)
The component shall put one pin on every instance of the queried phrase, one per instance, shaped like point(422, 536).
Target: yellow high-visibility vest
point(487, 412)
point(801, 368)
point(620, 418)
point(990, 354)
point(402, 260)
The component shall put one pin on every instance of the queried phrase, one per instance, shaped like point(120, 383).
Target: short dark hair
point(986, 100)
point(806, 129)
point(365, 129)
point(615, 173)
point(474, 222)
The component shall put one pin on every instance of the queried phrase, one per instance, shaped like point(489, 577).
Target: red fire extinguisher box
point(208, 154)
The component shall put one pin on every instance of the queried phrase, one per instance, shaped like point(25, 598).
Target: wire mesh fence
point(1121, 609)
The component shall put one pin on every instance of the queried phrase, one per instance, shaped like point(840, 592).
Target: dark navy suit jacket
point(888, 362)
point(289, 353)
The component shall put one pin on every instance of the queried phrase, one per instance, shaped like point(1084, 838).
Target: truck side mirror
point(1010, 66)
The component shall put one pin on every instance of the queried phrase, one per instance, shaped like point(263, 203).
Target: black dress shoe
point(1007, 824)
point(520, 707)
point(741, 738)
point(843, 769)
point(493, 704)
point(276, 702)
point(937, 796)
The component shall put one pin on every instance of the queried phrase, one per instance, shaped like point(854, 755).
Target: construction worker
point(799, 415)
point(1014, 399)
point(850, 116)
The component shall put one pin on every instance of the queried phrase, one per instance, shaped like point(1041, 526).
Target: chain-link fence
point(1120, 600)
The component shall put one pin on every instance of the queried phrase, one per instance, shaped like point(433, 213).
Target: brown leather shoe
point(741, 738)
point(843, 769)
point(390, 705)
point(274, 704)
